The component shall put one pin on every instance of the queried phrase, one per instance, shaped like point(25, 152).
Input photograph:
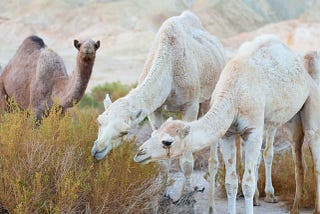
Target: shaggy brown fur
point(36, 75)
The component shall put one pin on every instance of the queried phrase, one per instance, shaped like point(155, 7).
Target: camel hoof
point(256, 203)
point(270, 199)
point(210, 210)
point(294, 211)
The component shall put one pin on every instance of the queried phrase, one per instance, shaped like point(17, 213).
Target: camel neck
point(156, 87)
point(213, 125)
point(78, 82)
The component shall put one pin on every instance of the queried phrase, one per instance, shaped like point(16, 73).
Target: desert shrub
point(48, 168)
point(98, 93)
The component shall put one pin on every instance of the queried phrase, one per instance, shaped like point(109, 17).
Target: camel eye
point(123, 133)
point(167, 142)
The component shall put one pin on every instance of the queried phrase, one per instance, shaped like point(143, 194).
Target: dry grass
point(49, 169)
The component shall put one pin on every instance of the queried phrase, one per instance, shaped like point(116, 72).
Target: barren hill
point(126, 27)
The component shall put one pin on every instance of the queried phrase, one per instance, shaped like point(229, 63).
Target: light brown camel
point(36, 75)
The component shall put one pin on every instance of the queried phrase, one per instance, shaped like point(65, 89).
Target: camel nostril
point(141, 152)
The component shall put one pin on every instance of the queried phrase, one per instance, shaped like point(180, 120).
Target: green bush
point(98, 93)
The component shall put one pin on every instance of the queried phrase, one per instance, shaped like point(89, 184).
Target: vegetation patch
point(48, 168)
point(98, 93)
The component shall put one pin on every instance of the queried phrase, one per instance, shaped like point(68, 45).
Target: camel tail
point(312, 65)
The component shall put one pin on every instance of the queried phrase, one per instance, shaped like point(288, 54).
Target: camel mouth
point(142, 160)
point(100, 154)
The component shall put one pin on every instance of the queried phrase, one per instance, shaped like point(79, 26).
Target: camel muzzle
point(139, 157)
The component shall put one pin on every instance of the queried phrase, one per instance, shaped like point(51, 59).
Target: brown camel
point(36, 75)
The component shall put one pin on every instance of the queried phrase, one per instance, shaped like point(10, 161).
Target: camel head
point(167, 142)
point(114, 125)
point(87, 49)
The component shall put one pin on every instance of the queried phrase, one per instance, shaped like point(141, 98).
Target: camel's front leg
point(189, 113)
point(212, 169)
point(229, 153)
point(268, 157)
point(252, 148)
point(256, 193)
point(156, 119)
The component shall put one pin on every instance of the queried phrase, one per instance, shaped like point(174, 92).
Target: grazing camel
point(259, 90)
point(36, 75)
point(180, 74)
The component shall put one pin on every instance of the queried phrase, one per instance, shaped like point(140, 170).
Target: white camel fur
point(262, 88)
point(180, 73)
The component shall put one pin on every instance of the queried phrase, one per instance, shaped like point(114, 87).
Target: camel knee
point(213, 166)
point(248, 184)
point(268, 155)
point(231, 184)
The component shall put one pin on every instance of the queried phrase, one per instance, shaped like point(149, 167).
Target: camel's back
point(273, 74)
point(20, 70)
point(197, 59)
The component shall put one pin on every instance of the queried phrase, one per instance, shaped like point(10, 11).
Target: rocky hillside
point(126, 27)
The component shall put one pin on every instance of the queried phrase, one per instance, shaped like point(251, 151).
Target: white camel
point(180, 73)
point(260, 89)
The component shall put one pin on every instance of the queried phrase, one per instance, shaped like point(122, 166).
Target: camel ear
point(97, 45)
point(184, 131)
point(137, 116)
point(107, 101)
point(77, 44)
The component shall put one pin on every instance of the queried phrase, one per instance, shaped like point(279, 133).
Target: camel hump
point(37, 40)
point(248, 48)
point(190, 19)
point(312, 65)
point(32, 42)
point(48, 65)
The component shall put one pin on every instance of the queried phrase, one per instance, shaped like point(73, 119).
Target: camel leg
point(189, 113)
point(314, 143)
point(204, 108)
point(213, 169)
point(242, 158)
point(268, 157)
point(310, 117)
point(229, 153)
point(252, 149)
point(156, 119)
point(295, 137)
point(299, 174)
point(256, 193)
